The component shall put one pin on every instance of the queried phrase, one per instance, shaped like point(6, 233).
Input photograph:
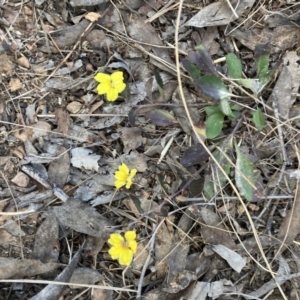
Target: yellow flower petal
point(120, 176)
point(129, 183)
point(115, 252)
point(115, 239)
point(112, 95)
point(123, 168)
point(133, 246)
point(125, 257)
point(103, 88)
point(130, 235)
point(120, 87)
point(119, 183)
point(133, 173)
point(102, 77)
point(117, 76)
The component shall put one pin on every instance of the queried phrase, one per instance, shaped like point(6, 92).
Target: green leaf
point(210, 110)
point(262, 58)
point(214, 125)
point(125, 93)
point(236, 115)
point(251, 84)
point(234, 66)
point(203, 60)
point(161, 117)
point(263, 81)
point(225, 108)
point(259, 119)
point(158, 79)
point(212, 87)
point(245, 175)
point(191, 68)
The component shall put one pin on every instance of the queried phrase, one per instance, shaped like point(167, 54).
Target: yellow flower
point(111, 85)
point(123, 249)
point(124, 176)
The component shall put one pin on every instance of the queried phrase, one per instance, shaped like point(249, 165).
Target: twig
point(284, 158)
point(75, 46)
point(152, 243)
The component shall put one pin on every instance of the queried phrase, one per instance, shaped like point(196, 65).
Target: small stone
point(24, 62)
point(74, 107)
point(21, 180)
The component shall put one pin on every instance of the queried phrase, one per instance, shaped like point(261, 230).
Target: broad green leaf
point(234, 66)
point(194, 155)
point(236, 115)
point(214, 125)
point(245, 175)
point(225, 108)
point(251, 84)
point(237, 107)
point(212, 87)
point(259, 119)
point(161, 117)
point(210, 110)
point(262, 58)
point(203, 60)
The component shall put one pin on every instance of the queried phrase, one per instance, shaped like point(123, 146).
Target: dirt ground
point(149, 149)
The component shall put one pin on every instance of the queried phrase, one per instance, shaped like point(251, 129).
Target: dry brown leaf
point(58, 170)
point(131, 138)
point(219, 13)
point(15, 84)
point(85, 276)
point(63, 120)
point(41, 128)
point(75, 3)
point(92, 16)
point(6, 65)
point(46, 242)
point(141, 256)
point(24, 62)
point(93, 246)
point(90, 221)
point(286, 88)
point(10, 267)
point(6, 239)
point(102, 294)
point(290, 226)
point(212, 229)
point(280, 39)
point(148, 36)
point(21, 179)
point(180, 113)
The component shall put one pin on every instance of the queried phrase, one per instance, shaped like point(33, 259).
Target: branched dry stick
point(76, 45)
point(151, 249)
